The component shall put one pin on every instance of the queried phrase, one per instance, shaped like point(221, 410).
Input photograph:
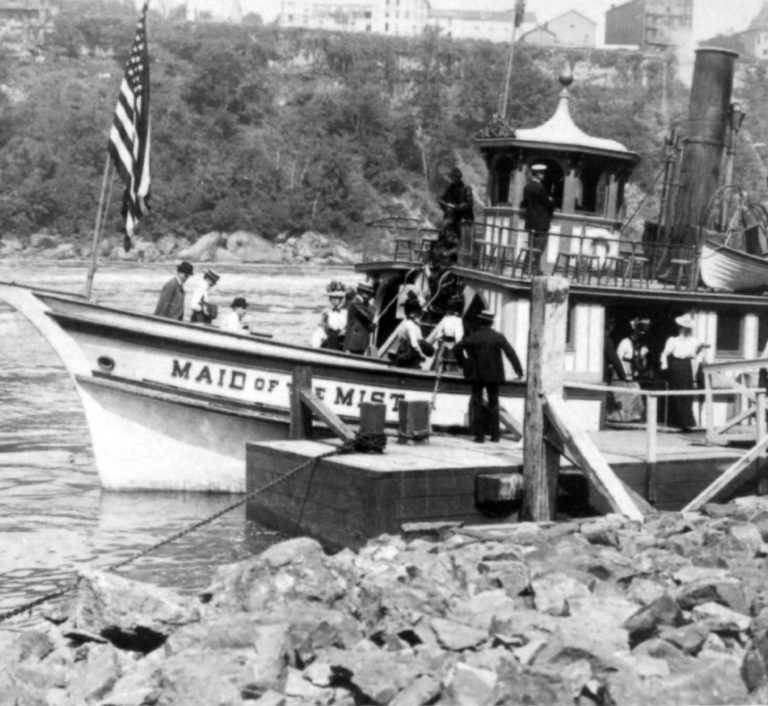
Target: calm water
point(54, 517)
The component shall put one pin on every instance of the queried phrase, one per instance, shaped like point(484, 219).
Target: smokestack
point(703, 148)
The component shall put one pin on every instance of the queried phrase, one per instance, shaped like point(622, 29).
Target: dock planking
point(344, 500)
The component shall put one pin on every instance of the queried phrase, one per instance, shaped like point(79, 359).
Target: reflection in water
point(54, 517)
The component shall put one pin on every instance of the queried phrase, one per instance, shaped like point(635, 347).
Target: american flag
point(129, 136)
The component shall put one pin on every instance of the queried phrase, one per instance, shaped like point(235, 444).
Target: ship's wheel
point(730, 212)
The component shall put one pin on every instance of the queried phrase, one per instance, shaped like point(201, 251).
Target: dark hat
point(412, 306)
point(485, 317)
point(456, 302)
point(239, 303)
point(456, 172)
point(185, 268)
point(212, 276)
point(365, 288)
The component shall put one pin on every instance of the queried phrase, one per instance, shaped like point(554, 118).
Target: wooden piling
point(546, 354)
point(301, 415)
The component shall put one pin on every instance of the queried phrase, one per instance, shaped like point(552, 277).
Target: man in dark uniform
point(480, 354)
point(539, 208)
point(457, 204)
point(171, 301)
point(360, 315)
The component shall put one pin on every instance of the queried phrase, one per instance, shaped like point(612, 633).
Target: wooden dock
point(344, 500)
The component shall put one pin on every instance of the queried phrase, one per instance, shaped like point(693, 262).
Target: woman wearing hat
point(679, 358)
point(449, 330)
point(359, 320)
point(333, 320)
point(203, 312)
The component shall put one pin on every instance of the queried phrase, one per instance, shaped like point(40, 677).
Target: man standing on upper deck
point(171, 301)
point(539, 208)
point(457, 204)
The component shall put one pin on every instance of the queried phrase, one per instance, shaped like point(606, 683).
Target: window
point(762, 331)
point(729, 325)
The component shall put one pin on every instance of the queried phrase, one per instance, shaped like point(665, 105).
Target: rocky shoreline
point(600, 611)
point(237, 247)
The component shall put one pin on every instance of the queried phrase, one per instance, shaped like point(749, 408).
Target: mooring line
point(347, 447)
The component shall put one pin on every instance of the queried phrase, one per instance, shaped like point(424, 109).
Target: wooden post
point(546, 353)
point(651, 425)
point(709, 409)
point(301, 415)
point(373, 417)
point(762, 479)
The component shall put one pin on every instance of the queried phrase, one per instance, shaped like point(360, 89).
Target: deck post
point(709, 409)
point(651, 426)
point(301, 415)
point(760, 430)
point(546, 353)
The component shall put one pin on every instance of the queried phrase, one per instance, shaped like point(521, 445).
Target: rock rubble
point(237, 247)
point(602, 611)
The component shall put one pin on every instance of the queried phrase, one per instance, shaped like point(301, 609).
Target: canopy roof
point(560, 133)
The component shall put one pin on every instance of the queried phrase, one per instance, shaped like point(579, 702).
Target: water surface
point(54, 517)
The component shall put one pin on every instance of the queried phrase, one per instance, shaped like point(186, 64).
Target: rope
point(361, 442)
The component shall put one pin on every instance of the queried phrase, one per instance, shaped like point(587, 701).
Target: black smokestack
point(707, 131)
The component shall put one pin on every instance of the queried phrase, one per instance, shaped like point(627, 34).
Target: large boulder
point(251, 247)
point(129, 613)
point(42, 241)
point(204, 248)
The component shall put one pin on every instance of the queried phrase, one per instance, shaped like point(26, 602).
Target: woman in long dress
point(678, 358)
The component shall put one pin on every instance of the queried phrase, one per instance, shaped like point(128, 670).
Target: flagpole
point(519, 18)
point(99, 226)
point(503, 109)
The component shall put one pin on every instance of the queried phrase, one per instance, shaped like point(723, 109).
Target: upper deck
point(598, 263)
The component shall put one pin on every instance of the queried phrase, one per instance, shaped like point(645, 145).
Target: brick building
point(641, 22)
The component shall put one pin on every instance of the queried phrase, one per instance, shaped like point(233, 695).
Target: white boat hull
point(170, 406)
point(721, 267)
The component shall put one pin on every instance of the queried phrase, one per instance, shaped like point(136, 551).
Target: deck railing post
point(709, 408)
point(651, 426)
point(760, 431)
point(546, 353)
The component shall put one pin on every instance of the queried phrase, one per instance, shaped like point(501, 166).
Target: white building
point(479, 24)
point(394, 17)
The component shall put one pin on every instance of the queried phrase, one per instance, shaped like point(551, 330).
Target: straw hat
point(685, 321)
point(538, 167)
point(212, 276)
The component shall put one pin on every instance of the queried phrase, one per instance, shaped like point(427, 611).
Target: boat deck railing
point(592, 257)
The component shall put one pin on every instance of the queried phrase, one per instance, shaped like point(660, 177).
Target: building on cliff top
point(644, 22)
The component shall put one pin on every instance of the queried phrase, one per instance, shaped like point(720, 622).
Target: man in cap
point(457, 204)
point(234, 320)
point(539, 208)
point(171, 301)
point(360, 314)
point(203, 312)
point(480, 354)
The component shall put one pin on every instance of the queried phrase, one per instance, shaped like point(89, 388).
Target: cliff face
point(283, 132)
